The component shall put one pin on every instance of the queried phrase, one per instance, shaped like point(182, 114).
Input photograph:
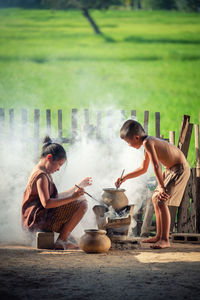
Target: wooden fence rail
point(189, 210)
point(88, 127)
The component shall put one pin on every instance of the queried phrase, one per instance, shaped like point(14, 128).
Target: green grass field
point(144, 61)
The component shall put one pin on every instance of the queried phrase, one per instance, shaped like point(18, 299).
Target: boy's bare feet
point(153, 239)
point(161, 245)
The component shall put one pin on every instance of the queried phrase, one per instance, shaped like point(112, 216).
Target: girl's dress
point(35, 217)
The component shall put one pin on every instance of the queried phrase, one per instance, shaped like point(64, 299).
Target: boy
point(171, 184)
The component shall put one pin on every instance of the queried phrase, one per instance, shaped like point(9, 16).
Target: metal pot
point(115, 197)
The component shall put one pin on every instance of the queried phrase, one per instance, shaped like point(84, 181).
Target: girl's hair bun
point(47, 140)
point(56, 150)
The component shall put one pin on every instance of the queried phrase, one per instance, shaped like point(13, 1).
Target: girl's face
point(54, 165)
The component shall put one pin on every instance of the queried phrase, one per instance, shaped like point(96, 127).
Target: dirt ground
point(140, 273)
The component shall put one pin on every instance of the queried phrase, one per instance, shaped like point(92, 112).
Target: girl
point(43, 208)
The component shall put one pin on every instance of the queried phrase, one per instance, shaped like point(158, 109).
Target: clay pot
point(95, 241)
point(115, 197)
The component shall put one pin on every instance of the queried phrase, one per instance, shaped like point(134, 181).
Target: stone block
point(44, 240)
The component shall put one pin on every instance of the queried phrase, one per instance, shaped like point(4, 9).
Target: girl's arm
point(137, 172)
point(85, 182)
point(47, 202)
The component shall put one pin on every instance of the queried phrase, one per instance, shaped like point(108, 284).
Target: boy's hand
point(85, 182)
point(118, 182)
point(163, 195)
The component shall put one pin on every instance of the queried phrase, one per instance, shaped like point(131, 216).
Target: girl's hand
point(85, 182)
point(78, 193)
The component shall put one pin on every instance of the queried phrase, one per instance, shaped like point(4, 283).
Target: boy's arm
point(137, 172)
point(149, 147)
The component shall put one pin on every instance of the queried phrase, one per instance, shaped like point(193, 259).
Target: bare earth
point(140, 273)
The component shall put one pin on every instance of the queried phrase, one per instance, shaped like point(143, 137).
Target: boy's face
point(134, 142)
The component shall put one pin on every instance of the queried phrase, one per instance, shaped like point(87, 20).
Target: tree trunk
point(136, 4)
point(91, 21)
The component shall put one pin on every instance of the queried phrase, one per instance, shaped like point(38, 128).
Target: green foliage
point(183, 5)
point(79, 4)
point(20, 3)
point(157, 4)
point(52, 60)
point(188, 5)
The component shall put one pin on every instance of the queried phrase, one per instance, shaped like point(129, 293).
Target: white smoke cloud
point(16, 164)
point(102, 160)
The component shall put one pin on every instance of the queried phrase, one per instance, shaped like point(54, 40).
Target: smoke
point(103, 160)
point(16, 164)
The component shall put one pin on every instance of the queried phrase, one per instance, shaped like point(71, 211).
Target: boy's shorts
point(175, 182)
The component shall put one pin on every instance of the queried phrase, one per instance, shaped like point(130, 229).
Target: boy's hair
point(131, 128)
point(56, 150)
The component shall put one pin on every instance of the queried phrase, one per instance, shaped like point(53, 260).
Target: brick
point(44, 240)
point(186, 238)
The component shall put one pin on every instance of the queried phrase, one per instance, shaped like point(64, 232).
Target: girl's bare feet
point(161, 245)
point(153, 239)
point(65, 245)
point(71, 239)
point(71, 246)
point(60, 245)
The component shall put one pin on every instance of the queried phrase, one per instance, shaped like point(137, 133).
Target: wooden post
point(133, 114)
point(36, 131)
point(185, 135)
point(183, 131)
point(98, 127)
point(2, 119)
point(48, 121)
point(185, 146)
point(186, 219)
point(123, 117)
point(197, 175)
point(109, 116)
point(87, 120)
point(157, 124)
point(146, 121)
point(60, 125)
point(24, 122)
point(172, 211)
point(11, 121)
point(74, 125)
point(196, 128)
point(198, 202)
point(88, 128)
point(172, 137)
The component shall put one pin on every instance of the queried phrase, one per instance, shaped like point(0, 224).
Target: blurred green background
point(144, 60)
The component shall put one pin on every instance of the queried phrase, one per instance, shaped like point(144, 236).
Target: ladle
point(88, 194)
point(121, 178)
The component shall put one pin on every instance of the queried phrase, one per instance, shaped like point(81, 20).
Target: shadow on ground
point(27, 273)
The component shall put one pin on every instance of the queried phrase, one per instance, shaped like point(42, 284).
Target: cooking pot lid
point(113, 190)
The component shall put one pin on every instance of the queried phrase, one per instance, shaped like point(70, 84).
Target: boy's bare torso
point(168, 154)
